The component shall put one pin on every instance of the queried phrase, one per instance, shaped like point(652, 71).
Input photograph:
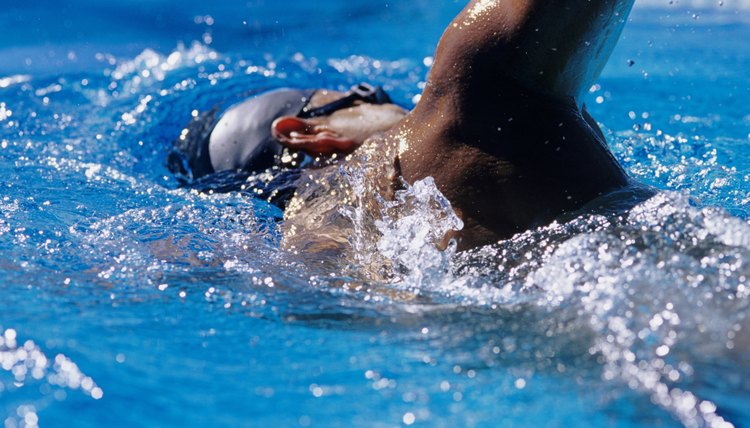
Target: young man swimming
point(500, 125)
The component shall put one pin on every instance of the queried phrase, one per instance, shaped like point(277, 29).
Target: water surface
point(131, 302)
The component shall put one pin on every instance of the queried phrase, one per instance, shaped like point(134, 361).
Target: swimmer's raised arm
point(551, 45)
point(501, 126)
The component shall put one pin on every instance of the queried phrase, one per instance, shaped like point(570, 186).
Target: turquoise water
point(130, 302)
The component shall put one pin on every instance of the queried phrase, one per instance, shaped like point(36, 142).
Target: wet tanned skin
point(500, 125)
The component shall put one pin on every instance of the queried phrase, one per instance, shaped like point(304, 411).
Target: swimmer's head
point(251, 135)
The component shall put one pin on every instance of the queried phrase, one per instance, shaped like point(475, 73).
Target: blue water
point(130, 302)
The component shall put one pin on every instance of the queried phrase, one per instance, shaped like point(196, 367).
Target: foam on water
point(411, 227)
point(662, 287)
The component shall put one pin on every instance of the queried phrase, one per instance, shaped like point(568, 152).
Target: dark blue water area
point(380, 29)
point(130, 302)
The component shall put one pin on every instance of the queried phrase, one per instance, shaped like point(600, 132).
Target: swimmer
point(500, 125)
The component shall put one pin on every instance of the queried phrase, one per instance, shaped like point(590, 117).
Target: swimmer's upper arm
point(556, 46)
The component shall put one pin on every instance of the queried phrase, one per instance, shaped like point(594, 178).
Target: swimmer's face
point(340, 132)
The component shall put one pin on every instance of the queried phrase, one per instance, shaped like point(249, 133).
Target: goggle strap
point(362, 92)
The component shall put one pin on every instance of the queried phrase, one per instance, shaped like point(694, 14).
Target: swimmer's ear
point(299, 134)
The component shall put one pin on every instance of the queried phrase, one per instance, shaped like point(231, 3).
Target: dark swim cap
point(242, 140)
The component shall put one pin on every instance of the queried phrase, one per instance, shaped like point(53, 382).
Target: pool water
point(130, 302)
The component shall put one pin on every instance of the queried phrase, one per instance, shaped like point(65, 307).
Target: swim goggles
point(363, 92)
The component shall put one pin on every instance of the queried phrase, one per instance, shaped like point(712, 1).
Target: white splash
point(13, 80)
point(5, 112)
point(413, 225)
point(652, 284)
point(152, 65)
